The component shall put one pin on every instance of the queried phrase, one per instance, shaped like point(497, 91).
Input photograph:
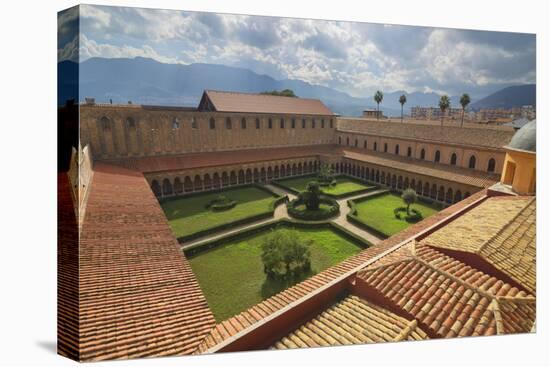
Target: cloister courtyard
point(224, 243)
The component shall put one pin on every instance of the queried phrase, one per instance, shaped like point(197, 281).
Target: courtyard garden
point(389, 213)
point(215, 210)
point(241, 271)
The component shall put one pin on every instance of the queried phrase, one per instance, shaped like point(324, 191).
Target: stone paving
point(281, 213)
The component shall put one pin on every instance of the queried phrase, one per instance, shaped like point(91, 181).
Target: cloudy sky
point(356, 58)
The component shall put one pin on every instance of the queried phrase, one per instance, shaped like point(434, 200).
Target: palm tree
point(378, 97)
point(402, 100)
point(444, 103)
point(464, 101)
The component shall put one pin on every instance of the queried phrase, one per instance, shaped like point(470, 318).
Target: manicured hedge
point(196, 249)
point(337, 197)
point(313, 215)
point(352, 215)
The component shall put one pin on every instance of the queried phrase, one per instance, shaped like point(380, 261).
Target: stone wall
point(119, 131)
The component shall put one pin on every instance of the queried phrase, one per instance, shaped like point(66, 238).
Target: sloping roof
point(469, 136)
point(502, 231)
point(260, 311)
point(214, 159)
point(448, 297)
point(264, 103)
point(416, 166)
point(352, 321)
point(138, 295)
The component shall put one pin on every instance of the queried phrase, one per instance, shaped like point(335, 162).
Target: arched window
point(472, 163)
point(375, 146)
point(340, 140)
point(257, 123)
point(270, 124)
point(313, 123)
point(105, 123)
point(397, 149)
point(212, 123)
point(243, 123)
point(131, 122)
point(228, 123)
point(193, 123)
point(331, 124)
point(437, 156)
point(175, 124)
point(303, 123)
point(385, 147)
point(409, 151)
point(347, 141)
point(365, 144)
point(322, 123)
point(453, 159)
point(491, 165)
point(282, 123)
point(293, 123)
point(423, 154)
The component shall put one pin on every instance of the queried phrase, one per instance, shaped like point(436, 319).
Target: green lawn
point(378, 213)
point(189, 215)
point(232, 278)
point(344, 185)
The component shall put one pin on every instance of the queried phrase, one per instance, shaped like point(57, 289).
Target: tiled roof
point(260, 311)
point(352, 321)
point(214, 159)
point(468, 136)
point(415, 166)
point(449, 298)
point(265, 103)
point(138, 294)
point(502, 231)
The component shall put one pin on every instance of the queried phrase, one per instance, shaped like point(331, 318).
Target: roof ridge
point(404, 334)
point(381, 266)
point(505, 226)
point(495, 307)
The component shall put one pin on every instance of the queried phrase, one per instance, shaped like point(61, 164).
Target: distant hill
point(515, 96)
point(146, 81)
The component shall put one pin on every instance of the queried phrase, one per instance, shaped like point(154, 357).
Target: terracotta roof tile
point(138, 296)
point(448, 297)
point(501, 231)
point(264, 103)
point(352, 321)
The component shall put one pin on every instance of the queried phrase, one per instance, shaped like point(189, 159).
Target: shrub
point(221, 202)
point(409, 197)
point(284, 256)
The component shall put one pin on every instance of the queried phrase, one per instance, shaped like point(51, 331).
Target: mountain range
point(146, 81)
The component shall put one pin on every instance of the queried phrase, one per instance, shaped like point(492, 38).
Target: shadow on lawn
point(271, 287)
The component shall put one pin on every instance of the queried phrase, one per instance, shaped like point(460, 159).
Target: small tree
point(464, 102)
point(312, 196)
point(402, 100)
point(444, 103)
point(378, 97)
point(409, 197)
point(326, 173)
point(284, 256)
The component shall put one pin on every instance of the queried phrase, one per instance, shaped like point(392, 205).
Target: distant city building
point(373, 113)
point(434, 113)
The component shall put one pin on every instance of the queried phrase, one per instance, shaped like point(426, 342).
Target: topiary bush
point(220, 203)
point(298, 209)
point(413, 216)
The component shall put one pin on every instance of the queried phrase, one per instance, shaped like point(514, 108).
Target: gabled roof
point(352, 321)
point(261, 103)
point(138, 296)
point(447, 297)
point(502, 231)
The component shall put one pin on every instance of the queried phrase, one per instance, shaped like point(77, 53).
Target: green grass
point(378, 213)
point(232, 278)
point(343, 186)
point(189, 215)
